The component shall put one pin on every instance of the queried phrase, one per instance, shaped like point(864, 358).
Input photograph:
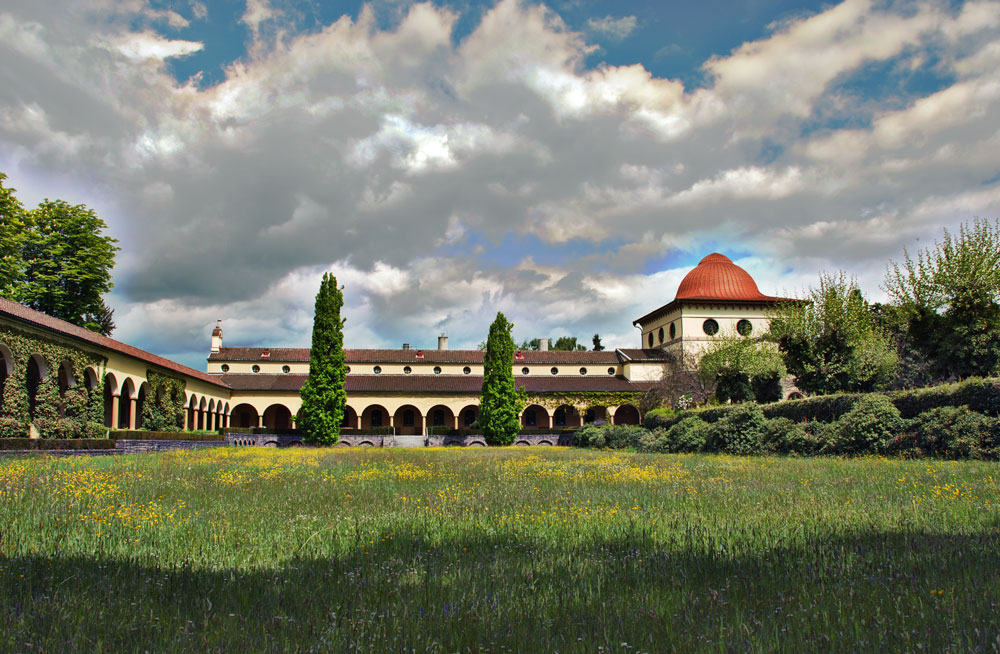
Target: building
point(409, 390)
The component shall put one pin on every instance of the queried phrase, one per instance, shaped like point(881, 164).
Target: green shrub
point(138, 434)
point(11, 427)
point(739, 432)
point(654, 441)
point(621, 437)
point(661, 417)
point(688, 435)
point(35, 444)
point(870, 426)
point(589, 436)
point(952, 432)
point(785, 436)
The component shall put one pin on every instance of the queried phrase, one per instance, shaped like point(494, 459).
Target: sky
point(565, 163)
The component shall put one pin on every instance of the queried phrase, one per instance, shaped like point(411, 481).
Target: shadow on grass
point(895, 591)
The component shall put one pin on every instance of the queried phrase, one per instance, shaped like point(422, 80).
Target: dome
point(716, 277)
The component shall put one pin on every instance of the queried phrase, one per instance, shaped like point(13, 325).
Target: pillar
point(133, 403)
point(260, 419)
point(114, 410)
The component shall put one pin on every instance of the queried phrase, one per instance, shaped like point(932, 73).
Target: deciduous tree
point(323, 394)
point(742, 368)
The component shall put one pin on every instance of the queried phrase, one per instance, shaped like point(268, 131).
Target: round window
point(661, 334)
point(407, 370)
point(673, 331)
point(467, 370)
point(711, 327)
point(524, 370)
point(255, 368)
point(611, 371)
point(348, 369)
point(225, 367)
point(437, 370)
point(583, 371)
point(650, 339)
point(744, 327)
point(377, 370)
point(286, 369)
point(554, 371)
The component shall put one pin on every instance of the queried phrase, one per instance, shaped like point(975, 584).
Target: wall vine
point(79, 413)
point(582, 401)
point(163, 407)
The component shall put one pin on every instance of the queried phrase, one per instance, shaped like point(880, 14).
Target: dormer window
point(519, 355)
point(420, 354)
point(266, 354)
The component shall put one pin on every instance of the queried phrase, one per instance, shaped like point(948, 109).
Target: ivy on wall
point(79, 413)
point(582, 401)
point(163, 407)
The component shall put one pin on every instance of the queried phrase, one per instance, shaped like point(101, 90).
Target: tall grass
point(496, 550)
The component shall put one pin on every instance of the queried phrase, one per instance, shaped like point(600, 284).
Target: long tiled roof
point(463, 384)
point(39, 319)
point(645, 355)
point(301, 355)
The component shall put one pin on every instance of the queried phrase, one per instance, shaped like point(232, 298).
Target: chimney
point(406, 346)
point(443, 341)
point(543, 344)
point(217, 336)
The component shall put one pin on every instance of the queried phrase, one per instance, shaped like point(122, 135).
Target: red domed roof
point(716, 277)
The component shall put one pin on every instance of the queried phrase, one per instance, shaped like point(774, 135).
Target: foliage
point(739, 432)
point(833, 342)
point(767, 387)
point(163, 407)
point(153, 435)
point(34, 444)
point(567, 343)
point(500, 401)
point(738, 365)
point(582, 400)
point(690, 434)
point(323, 394)
point(659, 417)
point(12, 234)
point(680, 385)
point(784, 436)
point(950, 297)
point(597, 343)
point(870, 426)
point(950, 432)
point(66, 264)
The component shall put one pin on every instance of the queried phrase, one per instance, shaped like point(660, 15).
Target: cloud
point(616, 29)
point(445, 179)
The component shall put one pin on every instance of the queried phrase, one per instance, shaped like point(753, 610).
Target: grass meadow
point(540, 549)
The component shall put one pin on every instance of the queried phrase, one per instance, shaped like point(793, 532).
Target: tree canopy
point(56, 259)
point(500, 401)
point(742, 368)
point(323, 394)
point(949, 299)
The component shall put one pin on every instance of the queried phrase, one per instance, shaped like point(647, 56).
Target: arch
point(795, 395)
point(595, 414)
point(549, 443)
point(350, 420)
point(140, 404)
point(277, 416)
point(67, 379)
point(467, 416)
point(125, 418)
point(441, 417)
point(408, 421)
point(6, 368)
point(521, 443)
point(627, 414)
point(201, 414)
point(192, 412)
point(374, 416)
point(110, 398)
point(36, 373)
point(225, 415)
point(210, 416)
point(536, 417)
point(90, 380)
point(566, 417)
point(244, 415)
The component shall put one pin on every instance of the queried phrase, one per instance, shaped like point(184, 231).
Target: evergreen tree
point(323, 394)
point(500, 403)
point(597, 343)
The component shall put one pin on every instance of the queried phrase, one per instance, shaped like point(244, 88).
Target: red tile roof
point(22, 313)
point(459, 384)
point(301, 355)
point(716, 277)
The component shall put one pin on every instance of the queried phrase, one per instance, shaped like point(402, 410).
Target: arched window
point(531, 418)
point(560, 417)
point(650, 339)
point(661, 334)
point(673, 331)
point(408, 418)
point(438, 418)
point(376, 418)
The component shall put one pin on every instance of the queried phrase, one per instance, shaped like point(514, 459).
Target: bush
point(739, 432)
point(785, 436)
point(654, 441)
point(94, 430)
point(952, 432)
point(34, 444)
point(620, 437)
point(870, 426)
point(661, 417)
point(688, 435)
point(136, 434)
point(11, 427)
point(589, 436)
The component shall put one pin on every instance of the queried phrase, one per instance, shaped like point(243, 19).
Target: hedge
point(980, 395)
point(140, 435)
point(269, 430)
point(44, 444)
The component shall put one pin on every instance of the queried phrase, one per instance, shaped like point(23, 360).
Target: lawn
point(540, 549)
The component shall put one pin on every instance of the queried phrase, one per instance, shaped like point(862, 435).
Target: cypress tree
point(323, 394)
point(500, 403)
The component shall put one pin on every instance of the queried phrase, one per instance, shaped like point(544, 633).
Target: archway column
point(260, 419)
point(115, 398)
point(133, 403)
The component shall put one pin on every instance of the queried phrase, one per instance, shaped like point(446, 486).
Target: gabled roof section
point(22, 313)
point(459, 384)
